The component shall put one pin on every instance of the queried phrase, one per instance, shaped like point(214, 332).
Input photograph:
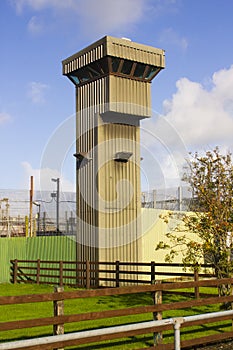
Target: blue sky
point(193, 95)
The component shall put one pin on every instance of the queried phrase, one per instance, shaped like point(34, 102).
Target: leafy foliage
point(211, 218)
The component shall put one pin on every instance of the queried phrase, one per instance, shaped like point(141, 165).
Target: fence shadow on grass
point(119, 344)
point(127, 300)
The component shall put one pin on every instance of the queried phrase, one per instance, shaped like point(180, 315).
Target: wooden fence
point(94, 274)
point(150, 311)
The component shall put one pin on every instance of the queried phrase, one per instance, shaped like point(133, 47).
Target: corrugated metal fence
point(32, 248)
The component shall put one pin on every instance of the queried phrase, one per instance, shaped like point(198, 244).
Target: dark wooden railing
point(153, 310)
point(94, 274)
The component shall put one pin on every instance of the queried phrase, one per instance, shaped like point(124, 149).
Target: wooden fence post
point(58, 310)
point(38, 272)
point(88, 274)
point(77, 273)
point(232, 307)
point(15, 270)
point(96, 267)
point(152, 272)
point(117, 273)
point(60, 273)
point(157, 299)
point(196, 279)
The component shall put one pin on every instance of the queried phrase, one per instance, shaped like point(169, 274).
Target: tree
point(211, 218)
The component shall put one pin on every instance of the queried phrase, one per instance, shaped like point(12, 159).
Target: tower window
point(84, 75)
point(139, 70)
point(151, 72)
point(74, 78)
point(116, 66)
point(115, 63)
point(127, 67)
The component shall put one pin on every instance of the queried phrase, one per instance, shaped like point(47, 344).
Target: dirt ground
point(227, 345)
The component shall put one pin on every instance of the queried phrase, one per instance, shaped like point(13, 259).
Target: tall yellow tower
point(112, 79)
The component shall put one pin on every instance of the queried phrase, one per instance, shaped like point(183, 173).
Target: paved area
point(220, 346)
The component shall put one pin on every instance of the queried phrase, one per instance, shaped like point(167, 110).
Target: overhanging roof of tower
point(114, 56)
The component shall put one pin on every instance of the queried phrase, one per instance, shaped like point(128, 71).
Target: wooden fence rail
point(146, 310)
point(94, 274)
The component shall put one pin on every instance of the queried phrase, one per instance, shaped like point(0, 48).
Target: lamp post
point(57, 196)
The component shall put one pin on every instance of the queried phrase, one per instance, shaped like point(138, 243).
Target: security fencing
point(16, 220)
point(176, 198)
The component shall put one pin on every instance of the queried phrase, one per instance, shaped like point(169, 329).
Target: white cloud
point(42, 179)
point(203, 116)
point(35, 25)
point(162, 164)
point(36, 92)
point(4, 118)
point(170, 37)
point(97, 17)
point(38, 5)
point(195, 118)
point(108, 15)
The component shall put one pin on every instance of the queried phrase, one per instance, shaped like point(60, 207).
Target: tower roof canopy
point(116, 56)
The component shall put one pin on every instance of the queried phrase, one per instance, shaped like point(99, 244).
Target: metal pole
point(26, 226)
point(154, 198)
point(58, 199)
point(180, 198)
point(31, 201)
point(113, 330)
point(58, 192)
point(81, 335)
point(44, 221)
point(38, 215)
point(8, 218)
point(177, 323)
point(38, 223)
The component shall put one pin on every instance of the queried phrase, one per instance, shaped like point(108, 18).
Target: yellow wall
point(154, 230)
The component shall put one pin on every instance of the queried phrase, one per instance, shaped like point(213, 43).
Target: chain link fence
point(176, 198)
point(15, 219)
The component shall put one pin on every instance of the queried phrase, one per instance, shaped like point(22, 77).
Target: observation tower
point(112, 78)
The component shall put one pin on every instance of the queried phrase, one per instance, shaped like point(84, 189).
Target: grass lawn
point(75, 306)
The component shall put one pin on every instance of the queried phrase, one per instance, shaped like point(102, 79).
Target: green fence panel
point(51, 248)
point(57, 248)
point(10, 248)
point(33, 248)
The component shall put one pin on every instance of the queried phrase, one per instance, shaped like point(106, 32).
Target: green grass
point(45, 309)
